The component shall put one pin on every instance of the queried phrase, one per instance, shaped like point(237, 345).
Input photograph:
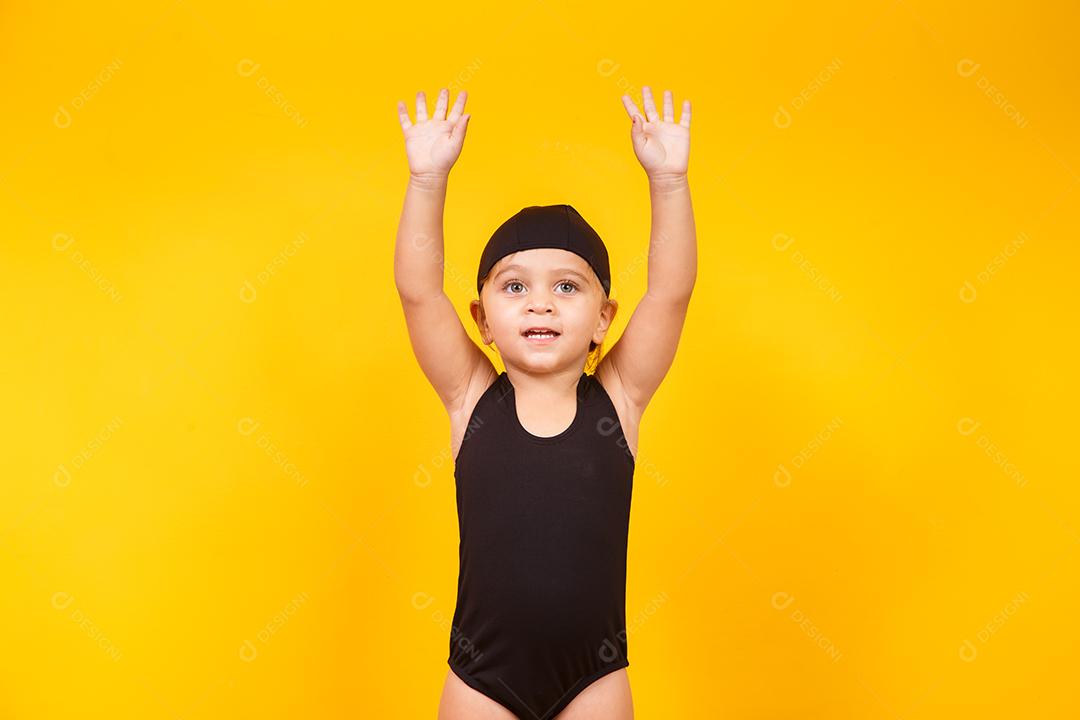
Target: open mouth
point(540, 333)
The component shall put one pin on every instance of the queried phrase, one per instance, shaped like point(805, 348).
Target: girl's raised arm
point(446, 354)
point(641, 357)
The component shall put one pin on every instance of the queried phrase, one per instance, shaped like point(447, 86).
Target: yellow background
point(226, 488)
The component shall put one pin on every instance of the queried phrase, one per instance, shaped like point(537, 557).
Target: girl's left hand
point(662, 146)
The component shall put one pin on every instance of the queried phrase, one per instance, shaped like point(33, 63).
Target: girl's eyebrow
point(561, 271)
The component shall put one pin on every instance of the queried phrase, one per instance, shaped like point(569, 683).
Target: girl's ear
point(610, 308)
point(607, 314)
point(477, 312)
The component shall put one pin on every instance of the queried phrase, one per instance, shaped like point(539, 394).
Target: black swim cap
point(546, 226)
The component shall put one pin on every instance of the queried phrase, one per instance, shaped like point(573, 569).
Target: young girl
point(544, 453)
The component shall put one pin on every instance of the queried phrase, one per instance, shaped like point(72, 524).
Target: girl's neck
point(544, 384)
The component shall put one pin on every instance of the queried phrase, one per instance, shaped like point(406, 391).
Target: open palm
point(433, 145)
point(662, 146)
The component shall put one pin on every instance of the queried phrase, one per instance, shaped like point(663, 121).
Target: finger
point(403, 115)
point(637, 130)
point(684, 120)
point(459, 107)
point(441, 103)
point(421, 107)
point(631, 107)
point(669, 109)
point(650, 106)
point(457, 135)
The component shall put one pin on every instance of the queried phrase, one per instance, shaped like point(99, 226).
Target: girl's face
point(543, 288)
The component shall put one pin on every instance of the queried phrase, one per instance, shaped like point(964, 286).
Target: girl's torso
point(543, 524)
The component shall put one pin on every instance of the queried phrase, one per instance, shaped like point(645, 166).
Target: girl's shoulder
point(629, 414)
point(480, 381)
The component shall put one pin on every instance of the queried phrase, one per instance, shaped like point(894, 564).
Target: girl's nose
point(541, 303)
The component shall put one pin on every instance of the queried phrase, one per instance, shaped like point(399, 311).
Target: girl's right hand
point(433, 145)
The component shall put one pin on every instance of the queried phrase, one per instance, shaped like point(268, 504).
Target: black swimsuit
point(543, 524)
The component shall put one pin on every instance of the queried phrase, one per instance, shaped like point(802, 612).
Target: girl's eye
point(565, 283)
